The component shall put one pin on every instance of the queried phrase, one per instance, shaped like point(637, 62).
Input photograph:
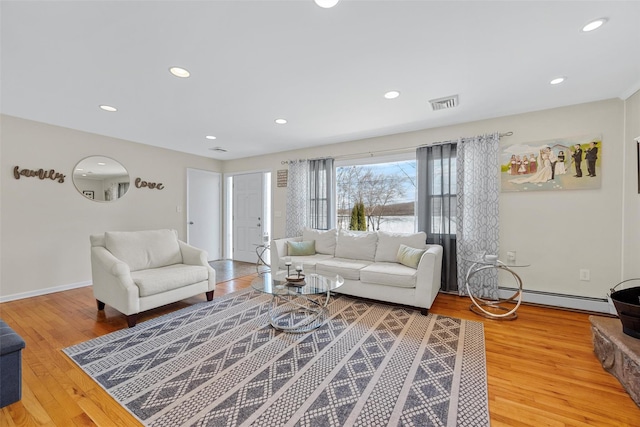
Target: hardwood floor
point(541, 367)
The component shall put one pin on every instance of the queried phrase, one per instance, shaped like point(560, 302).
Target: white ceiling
point(324, 70)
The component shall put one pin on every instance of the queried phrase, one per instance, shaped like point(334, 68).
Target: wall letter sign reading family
point(139, 183)
point(40, 173)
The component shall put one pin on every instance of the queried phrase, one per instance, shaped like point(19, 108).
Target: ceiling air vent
point(444, 103)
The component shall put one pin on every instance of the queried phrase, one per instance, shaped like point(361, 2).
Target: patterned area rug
point(222, 364)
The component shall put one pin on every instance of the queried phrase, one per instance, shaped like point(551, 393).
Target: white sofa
point(134, 271)
point(368, 262)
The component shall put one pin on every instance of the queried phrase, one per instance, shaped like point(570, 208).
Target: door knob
point(190, 222)
point(258, 224)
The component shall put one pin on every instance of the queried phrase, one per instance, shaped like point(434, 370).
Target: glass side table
point(494, 309)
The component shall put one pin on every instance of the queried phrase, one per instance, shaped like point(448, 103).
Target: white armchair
point(135, 271)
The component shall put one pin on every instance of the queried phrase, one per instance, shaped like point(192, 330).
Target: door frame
point(227, 190)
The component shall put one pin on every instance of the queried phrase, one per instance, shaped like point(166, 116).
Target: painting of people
point(572, 163)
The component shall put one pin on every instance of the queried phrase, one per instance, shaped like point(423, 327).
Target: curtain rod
point(404, 150)
point(389, 151)
point(435, 144)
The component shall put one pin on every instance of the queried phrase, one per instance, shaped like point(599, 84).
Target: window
point(377, 196)
point(443, 195)
point(321, 179)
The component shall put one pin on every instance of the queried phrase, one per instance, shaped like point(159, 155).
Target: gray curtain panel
point(297, 197)
point(321, 194)
point(477, 225)
point(436, 205)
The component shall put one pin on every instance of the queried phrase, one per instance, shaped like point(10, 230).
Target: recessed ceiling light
point(102, 164)
point(557, 80)
point(108, 108)
point(594, 25)
point(179, 72)
point(281, 121)
point(210, 137)
point(392, 94)
point(326, 4)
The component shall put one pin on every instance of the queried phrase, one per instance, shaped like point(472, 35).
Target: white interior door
point(248, 221)
point(204, 211)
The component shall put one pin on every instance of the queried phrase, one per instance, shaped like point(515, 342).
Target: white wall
point(631, 224)
point(558, 232)
point(45, 225)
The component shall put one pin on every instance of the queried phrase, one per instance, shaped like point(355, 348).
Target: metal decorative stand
point(297, 306)
point(293, 312)
point(494, 309)
point(262, 266)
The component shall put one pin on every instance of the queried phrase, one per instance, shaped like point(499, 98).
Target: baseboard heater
point(575, 302)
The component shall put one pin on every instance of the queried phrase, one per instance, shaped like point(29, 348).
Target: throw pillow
point(389, 243)
point(301, 248)
point(410, 256)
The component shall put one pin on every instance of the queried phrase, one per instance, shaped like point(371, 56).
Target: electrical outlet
point(585, 275)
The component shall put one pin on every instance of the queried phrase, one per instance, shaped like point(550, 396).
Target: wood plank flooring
point(541, 367)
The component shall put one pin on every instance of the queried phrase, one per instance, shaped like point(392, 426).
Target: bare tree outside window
point(387, 191)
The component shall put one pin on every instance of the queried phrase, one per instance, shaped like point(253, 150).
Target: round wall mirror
point(101, 179)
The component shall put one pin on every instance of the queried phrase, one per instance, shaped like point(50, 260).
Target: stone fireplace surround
point(619, 353)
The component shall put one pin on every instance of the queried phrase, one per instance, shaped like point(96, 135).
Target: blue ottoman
point(11, 345)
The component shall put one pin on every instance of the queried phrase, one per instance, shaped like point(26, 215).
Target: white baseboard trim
point(561, 300)
point(46, 291)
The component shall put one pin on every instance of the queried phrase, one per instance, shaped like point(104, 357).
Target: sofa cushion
point(308, 262)
point(306, 247)
point(157, 280)
point(410, 256)
point(389, 274)
point(144, 249)
point(359, 246)
point(325, 239)
point(389, 243)
point(347, 268)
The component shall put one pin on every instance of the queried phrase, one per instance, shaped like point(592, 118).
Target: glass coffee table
point(297, 306)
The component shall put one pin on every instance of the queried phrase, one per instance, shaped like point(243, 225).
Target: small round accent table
point(297, 307)
point(494, 309)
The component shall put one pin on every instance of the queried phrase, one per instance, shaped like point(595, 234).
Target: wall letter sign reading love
point(139, 183)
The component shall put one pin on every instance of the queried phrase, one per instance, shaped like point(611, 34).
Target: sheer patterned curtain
point(436, 205)
point(297, 197)
point(477, 209)
point(321, 194)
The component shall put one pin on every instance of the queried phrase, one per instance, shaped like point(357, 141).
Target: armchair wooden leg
point(132, 319)
point(209, 295)
point(100, 305)
point(424, 311)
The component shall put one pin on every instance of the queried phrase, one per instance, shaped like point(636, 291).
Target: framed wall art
point(568, 163)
